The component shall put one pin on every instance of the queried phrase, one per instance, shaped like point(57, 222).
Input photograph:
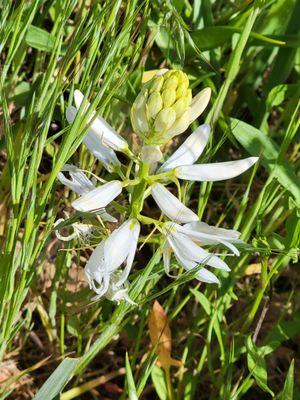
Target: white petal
point(189, 151)
point(216, 171)
point(167, 257)
point(105, 216)
point(206, 238)
point(171, 206)
point(122, 244)
point(79, 182)
point(71, 114)
point(199, 103)
point(101, 129)
point(93, 142)
point(99, 197)
point(204, 275)
point(95, 266)
point(228, 234)
point(186, 248)
point(135, 231)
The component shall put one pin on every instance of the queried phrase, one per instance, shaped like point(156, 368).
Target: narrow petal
point(79, 182)
point(199, 103)
point(206, 238)
point(122, 245)
point(203, 275)
point(189, 151)
point(186, 248)
point(228, 234)
point(93, 142)
point(99, 197)
point(135, 232)
point(99, 127)
point(167, 257)
point(216, 171)
point(171, 206)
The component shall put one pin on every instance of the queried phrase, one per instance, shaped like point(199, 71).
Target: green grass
point(236, 341)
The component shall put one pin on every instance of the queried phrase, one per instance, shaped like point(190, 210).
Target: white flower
point(105, 261)
point(183, 241)
point(79, 182)
point(171, 206)
point(79, 231)
point(182, 161)
point(92, 198)
point(100, 131)
point(94, 142)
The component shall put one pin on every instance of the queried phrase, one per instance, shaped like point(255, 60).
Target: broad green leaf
point(288, 389)
point(57, 380)
point(205, 303)
point(258, 143)
point(257, 366)
point(39, 39)
point(130, 381)
point(159, 382)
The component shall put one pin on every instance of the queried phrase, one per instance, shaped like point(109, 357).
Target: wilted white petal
point(101, 129)
point(171, 206)
point(79, 182)
point(189, 151)
point(216, 171)
point(99, 197)
point(199, 103)
point(151, 154)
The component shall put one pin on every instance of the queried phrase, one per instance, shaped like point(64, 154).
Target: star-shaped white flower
point(107, 258)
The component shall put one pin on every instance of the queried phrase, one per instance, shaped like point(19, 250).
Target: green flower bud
point(156, 84)
point(154, 104)
point(168, 97)
point(165, 119)
point(164, 108)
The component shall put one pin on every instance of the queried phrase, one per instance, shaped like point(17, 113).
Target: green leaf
point(214, 36)
point(57, 380)
point(39, 39)
point(258, 143)
point(159, 382)
point(257, 366)
point(130, 381)
point(282, 331)
point(202, 300)
point(288, 389)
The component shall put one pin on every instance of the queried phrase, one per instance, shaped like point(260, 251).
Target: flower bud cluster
point(162, 109)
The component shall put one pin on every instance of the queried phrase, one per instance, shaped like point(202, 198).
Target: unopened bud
point(164, 108)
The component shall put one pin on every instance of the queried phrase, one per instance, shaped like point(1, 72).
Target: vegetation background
point(237, 341)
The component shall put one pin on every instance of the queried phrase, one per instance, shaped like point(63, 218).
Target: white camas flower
point(101, 270)
point(79, 231)
point(101, 139)
point(182, 161)
point(185, 242)
point(91, 198)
